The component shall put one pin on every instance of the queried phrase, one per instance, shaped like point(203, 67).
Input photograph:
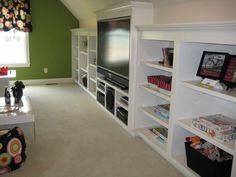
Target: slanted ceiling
point(84, 10)
point(165, 11)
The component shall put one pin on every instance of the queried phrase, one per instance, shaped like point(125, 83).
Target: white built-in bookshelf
point(188, 98)
point(84, 62)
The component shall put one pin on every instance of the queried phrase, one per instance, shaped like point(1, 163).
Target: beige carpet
point(76, 138)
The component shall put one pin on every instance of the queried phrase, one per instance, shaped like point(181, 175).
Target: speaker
point(110, 99)
point(101, 98)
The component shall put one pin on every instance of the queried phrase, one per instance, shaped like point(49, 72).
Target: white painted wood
point(155, 92)
point(149, 111)
point(74, 54)
point(156, 65)
point(109, 84)
point(119, 103)
point(125, 9)
point(229, 95)
point(93, 65)
point(188, 98)
point(93, 80)
point(227, 146)
point(98, 89)
point(149, 139)
point(84, 58)
point(140, 13)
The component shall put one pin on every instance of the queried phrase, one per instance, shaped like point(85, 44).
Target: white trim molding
point(229, 25)
point(45, 81)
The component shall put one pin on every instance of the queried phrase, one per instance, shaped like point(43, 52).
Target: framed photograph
point(230, 73)
point(213, 65)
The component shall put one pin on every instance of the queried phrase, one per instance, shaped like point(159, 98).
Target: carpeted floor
point(76, 138)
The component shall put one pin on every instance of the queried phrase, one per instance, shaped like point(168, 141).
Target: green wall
point(50, 41)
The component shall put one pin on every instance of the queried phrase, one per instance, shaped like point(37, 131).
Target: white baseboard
point(45, 81)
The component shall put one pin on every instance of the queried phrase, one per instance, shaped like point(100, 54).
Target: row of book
point(217, 126)
point(162, 111)
point(160, 134)
point(160, 81)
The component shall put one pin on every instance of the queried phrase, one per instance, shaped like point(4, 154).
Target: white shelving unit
point(74, 54)
point(146, 97)
point(139, 13)
point(84, 64)
point(156, 65)
point(102, 87)
point(151, 141)
point(155, 92)
point(149, 111)
point(188, 99)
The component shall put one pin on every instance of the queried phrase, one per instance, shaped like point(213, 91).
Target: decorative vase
point(18, 95)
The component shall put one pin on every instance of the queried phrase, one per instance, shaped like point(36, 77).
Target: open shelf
point(84, 52)
point(149, 111)
point(100, 90)
point(155, 64)
point(93, 50)
point(122, 124)
point(150, 140)
point(155, 92)
point(76, 81)
point(226, 146)
point(124, 92)
point(93, 80)
point(84, 70)
point(188, 99)
point(93, 65)
point(123, 105)
point(84, 47)
point(223, 94)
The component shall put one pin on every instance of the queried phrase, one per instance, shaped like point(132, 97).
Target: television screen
point(114, 45)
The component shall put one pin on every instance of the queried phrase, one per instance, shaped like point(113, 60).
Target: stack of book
point(162, 111)
point(161, 134)
point(161, 82)
point(217, 126)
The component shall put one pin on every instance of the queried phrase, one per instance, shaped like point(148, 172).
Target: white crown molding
point(119, 10)
point(225, 25)
point(45, 81)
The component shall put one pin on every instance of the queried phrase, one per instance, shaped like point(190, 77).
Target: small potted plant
point(17, 90)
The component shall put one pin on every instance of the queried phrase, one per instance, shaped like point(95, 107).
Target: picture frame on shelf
point(213, 65)
point(229, 78)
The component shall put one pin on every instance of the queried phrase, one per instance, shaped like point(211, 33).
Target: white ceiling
point(84, 10)
point(165, 11)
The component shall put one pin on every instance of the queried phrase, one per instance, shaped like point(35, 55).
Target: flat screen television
point(114, 50)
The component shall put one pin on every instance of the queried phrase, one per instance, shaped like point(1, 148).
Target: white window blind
point(14, 49)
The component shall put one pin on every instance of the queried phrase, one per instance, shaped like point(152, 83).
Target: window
point(14, 49)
